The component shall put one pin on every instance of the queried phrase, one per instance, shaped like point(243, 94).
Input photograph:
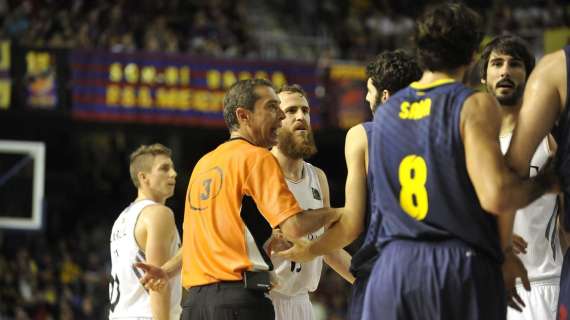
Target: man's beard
point(296, 145)
point(512, 99)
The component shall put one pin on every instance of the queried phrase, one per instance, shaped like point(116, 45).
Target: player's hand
point(519, 244)
point(299, 252)
point(512, 269)
point(278, 242)
point(154, 278)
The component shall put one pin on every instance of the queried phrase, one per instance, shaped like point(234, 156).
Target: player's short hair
point(393, 70)
point(447, 36)
point(241, 94)
point(141, 159)
point(292, 88)
point(509, 44)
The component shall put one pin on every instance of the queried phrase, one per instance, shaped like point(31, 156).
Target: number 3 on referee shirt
point(413, 195)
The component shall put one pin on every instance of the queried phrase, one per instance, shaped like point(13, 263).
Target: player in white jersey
point(309, 185)
point(145, 232)
point(506, 63)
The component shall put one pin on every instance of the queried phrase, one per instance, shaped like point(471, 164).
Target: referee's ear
point(242, 115)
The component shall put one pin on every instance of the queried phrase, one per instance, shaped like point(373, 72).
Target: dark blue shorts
point(434, 280)
point(360, 266)
point(564, 297)
point(357, 298)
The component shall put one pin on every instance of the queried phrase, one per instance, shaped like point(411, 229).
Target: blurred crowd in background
point(61, 271)
point(273, 29)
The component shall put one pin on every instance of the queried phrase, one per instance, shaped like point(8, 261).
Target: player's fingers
point(524, 276)
point(513, 305)
point(141, 265)
point(511, 302)
point(278, 235)
point(520, 240)
point(155, 285)
point(517, 299)
point(519, 244)
point(286, 254)
point(517, 249)
point(145, 279)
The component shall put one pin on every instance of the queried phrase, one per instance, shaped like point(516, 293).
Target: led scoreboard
point(166, 88)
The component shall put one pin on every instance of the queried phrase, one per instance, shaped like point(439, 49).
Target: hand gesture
point(299, 252)
point(278, 242)
point(154, 278)
point(512, 269)
point(519, 244)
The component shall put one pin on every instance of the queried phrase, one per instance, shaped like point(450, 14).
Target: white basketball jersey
point(128, 298)
point(538, 224)
point(300, 278)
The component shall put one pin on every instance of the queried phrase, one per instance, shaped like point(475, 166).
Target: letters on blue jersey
point(416, 110)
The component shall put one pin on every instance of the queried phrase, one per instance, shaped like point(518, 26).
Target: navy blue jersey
point(363, 260)
point(417, 163)
point(561, 134)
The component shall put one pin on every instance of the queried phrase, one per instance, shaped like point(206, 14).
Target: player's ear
point(385, 96)
point(142, 177)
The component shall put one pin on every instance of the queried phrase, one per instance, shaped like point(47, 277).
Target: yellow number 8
point(413, 177)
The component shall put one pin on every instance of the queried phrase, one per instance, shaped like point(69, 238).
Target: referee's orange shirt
point(236, 195)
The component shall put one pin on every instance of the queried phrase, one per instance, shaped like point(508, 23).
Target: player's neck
point(145, 195)
point(429, 77)
point(292, 168)
point(509, 117)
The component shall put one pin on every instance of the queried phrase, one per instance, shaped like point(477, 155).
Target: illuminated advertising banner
point(5, 81)
point(347, 89)
point(170, 89)
point(41, 79)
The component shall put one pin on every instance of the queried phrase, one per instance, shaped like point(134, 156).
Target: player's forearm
point(172, 267)
point(507, 192)
point(519, 193)
point(336, 237)
point(160, 303)
point(309, 221)
point(340, 262)
point(505, 225)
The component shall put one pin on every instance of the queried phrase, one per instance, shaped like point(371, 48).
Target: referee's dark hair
point(241, 94)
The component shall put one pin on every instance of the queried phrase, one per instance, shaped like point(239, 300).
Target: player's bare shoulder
point(480, 109)
point(356, 137)
point(157, 214)
point(551, 71)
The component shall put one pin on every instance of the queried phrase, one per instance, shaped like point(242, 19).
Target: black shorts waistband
point(221, 284)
